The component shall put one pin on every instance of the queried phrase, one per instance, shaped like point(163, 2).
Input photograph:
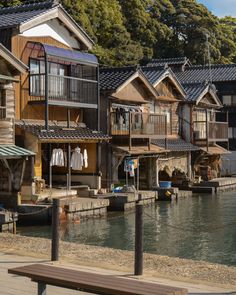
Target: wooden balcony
point(63, 90)
point(138, 125)
point(210, 131)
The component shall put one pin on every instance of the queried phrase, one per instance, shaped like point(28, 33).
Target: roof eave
point(14, 61)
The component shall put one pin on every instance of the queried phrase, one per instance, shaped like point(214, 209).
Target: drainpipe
point(46, 92)
point(207, 130)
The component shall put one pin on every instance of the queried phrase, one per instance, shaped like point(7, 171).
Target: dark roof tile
point(169, 61)
point(113, 78)
point(14, 16)
point(175, 145)
point(59, 131)
point(219, 73)
point(153, 73)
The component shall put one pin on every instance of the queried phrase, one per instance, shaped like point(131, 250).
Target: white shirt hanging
point(85, 158)
point(77, 159)
point(57, 158)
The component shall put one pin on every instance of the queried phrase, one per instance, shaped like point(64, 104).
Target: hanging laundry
point(77, 159)
point(131, 168)
point(85, 158)
point(57, 158)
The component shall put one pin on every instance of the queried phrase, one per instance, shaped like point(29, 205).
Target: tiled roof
point(113, 78)
point(59, 131)
point(175, 145)
point(154, 73)
point(194, 90)
point(13, 16)
point(219, 73)
point(168, 61)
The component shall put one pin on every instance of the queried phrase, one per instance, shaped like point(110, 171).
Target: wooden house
point(199, 126)
point(203, 121)
point(14, 160)
point(57, 100)
point(127, 100)
point(170, 97)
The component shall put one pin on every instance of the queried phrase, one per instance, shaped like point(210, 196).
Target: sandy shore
point(154, 265)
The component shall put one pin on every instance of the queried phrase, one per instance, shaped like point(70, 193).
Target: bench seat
point(90, 282)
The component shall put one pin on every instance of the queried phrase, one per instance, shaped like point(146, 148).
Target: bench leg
point(42, 289)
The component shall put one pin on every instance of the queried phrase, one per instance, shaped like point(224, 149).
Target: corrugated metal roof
point(72, 55)
point(13, 151)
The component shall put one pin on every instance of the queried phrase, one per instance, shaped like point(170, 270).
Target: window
point(232, 132)
point(37, 80)
point(2, 106)
point(229, 100)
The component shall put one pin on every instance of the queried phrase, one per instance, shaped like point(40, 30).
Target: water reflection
point(201, 227)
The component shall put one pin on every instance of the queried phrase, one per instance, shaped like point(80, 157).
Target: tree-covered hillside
point(133, 31)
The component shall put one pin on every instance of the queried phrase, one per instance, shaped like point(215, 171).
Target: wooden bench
point(90, 282)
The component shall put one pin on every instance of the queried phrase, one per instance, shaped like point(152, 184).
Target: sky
point(220, 7)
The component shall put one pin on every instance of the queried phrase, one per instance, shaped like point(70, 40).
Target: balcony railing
point(63, 89)
point(138, 125)
point(211, 131)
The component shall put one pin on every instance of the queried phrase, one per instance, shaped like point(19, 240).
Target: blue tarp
point(72, 55)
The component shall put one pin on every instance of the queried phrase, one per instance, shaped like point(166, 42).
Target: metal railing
point(63, 88)
point(138, 124)
point(211, 131)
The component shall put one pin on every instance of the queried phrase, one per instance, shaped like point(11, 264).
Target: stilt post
point(138, 264)
point(55, 229)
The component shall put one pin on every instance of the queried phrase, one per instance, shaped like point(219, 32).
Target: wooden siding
point(7, 125)
point(133, 92)
point(167, 90)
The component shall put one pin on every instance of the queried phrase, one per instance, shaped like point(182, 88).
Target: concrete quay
point(215, 186)
point(127, 200)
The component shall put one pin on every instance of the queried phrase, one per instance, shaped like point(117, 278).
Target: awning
point(215, 150)
point(140, 150)
point(13, 151)
point(70, 55)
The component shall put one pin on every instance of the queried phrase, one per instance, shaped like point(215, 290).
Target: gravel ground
point(154, 265)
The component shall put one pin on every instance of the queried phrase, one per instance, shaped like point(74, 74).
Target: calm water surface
point(200, 227)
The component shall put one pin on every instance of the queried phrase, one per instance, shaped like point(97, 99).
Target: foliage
point(133, 31)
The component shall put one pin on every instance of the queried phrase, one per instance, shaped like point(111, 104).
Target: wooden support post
point(130, 139)
point(138, 263)
point(207, 130)
point(46, 93)
point(42, 289)
point(55, 230)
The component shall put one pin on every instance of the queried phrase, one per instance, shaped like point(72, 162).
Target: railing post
point(55, 230)
point(138, 264)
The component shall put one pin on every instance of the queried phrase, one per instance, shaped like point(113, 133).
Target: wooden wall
point(133, 92)
point(7, 135)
